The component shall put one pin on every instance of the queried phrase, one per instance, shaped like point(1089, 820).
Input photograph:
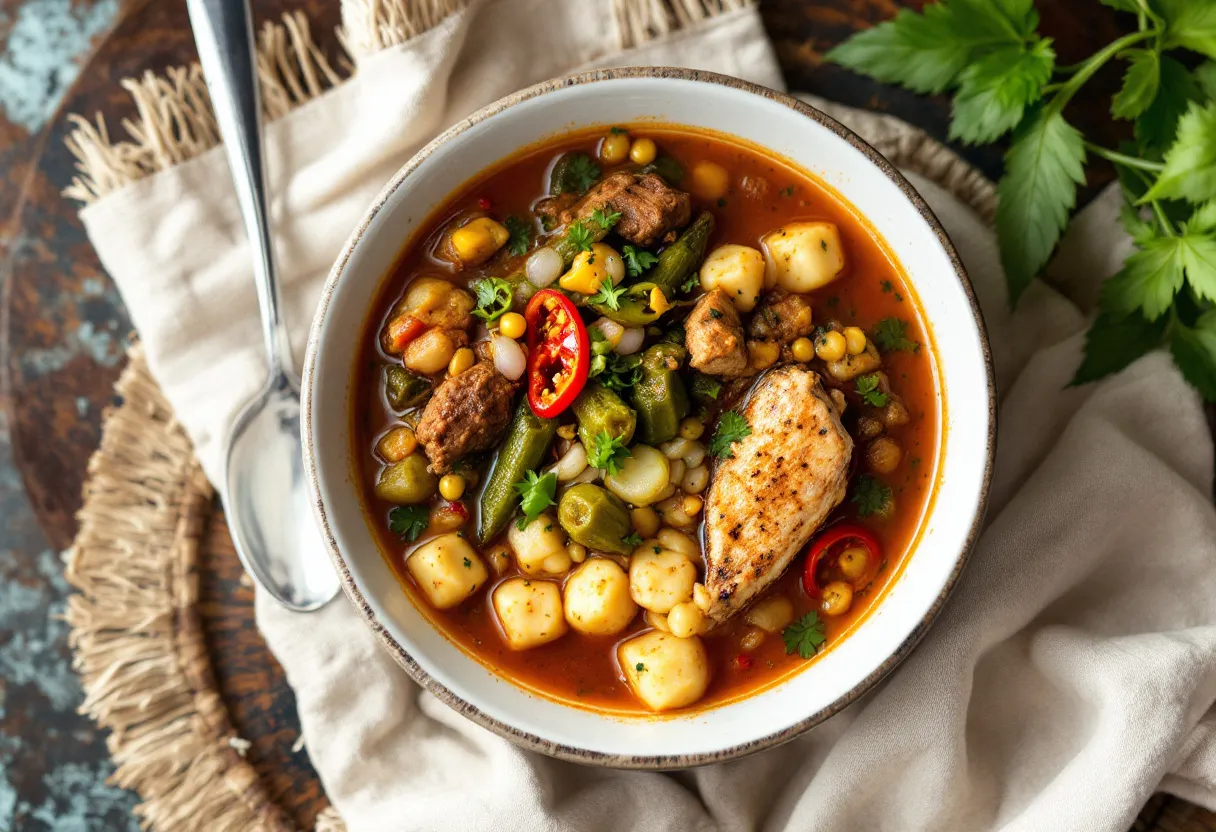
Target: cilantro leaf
point(691, 283)
point(1176, 89)
point(1152, 276)
point(1190, 24)
point(1135, 225)
point(731, 428)
point(1140, 84)
point(407, 522)
point(995, 91)
point(579, 236)
point(608, 453)
point(608, 295)
point(1204, 218)
point(536, 494)
point(867, 388)
point(1113, 343)
point(705, 388)
point(1190, 163)
point(632, 539)
point(1194, 351)
point(891, 335)
point(494, 298)
point(614, 371)
point(804, 636)
point(1043, 168)
point(637, 260)
point(605, 219)
point(871, 496)
point(1205, 75)
point(573, 173)
point(520, 235)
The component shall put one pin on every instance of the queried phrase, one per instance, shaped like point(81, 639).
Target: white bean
point(695, 479)
point(676, 448)
point(589, 474)
point(677, 470)
point(673, 513)
point(573, 463)
point(695, 454)
point(543, 267)
point(679, 542)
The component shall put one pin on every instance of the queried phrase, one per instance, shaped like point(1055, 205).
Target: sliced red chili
point(484, 203)
point(559, 353)
point(828, 543)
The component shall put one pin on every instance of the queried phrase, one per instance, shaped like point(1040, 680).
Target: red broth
point(764, 192)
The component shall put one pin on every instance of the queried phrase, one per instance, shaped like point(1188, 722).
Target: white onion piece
point(613, 332)
point(614, 265)
point(543, 267)
point(631, 341)
point(508, 357)
point(589, 475)
point(572, 463)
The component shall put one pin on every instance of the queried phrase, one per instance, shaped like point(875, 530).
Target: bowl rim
point(401, 655)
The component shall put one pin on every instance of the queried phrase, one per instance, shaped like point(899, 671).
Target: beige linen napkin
point(1069, 677)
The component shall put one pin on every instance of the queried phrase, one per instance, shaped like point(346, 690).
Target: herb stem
point(1093, 64)
point(1162, 219)
point(1124, 159)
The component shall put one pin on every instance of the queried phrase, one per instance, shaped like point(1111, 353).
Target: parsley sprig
point(1006, 81)
point(891, 335)
point(609, 295)
point(731, 428)
point(520, 235)
point(605, 219)
point(804, 636)
point(536, 494)
point(580, 236)
point(494, 298)
point(608, 452)
point(867, 388)
point(871, 496)
point(407, 522)
point(637, 260)
point(610, 368)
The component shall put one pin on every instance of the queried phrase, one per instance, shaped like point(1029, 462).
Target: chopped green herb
point(891, 335)
point(579, 236)
point(633, 539)
point(468, 563)
point(805, 636)
point(691, 283)
point(658, 549)
point(616, 131)
point(731, 428)
point(605, 219)
point(870, 496)
point(609, 295)
point(494, 298)
point(705, 388)
point(721, 202)
point(407, 522)
point(536, 494)
point(520, 235)
point(639, 667)
point(580, 173)
point(867, 388)
point(637, 260)
point(787, 191)
point(614, 371)
point(899, 298)
point(714, 313)
point(609, 452)
point(887, 286)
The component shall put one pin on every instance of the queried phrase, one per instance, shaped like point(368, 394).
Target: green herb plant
point(1005, 80)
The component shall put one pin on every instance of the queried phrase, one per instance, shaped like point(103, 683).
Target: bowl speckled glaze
point(806, 138)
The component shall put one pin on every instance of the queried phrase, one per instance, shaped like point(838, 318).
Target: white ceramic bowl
point(810, 140)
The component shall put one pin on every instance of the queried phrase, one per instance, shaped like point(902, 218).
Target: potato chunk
point(664, 671)
point(597, 598)
point(660, 580)
point(540, 547)
point(802, 256)
point(447, 570)
point(737, 270)
point(530, 612)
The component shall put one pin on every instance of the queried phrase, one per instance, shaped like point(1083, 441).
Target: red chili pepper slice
point(826, 542)
point(559, 353)
point(484, 203)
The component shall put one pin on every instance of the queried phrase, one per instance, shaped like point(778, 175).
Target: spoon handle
point(223, 32)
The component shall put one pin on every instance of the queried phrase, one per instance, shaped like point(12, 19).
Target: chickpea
point(499, 558)
point(512, 325)
point(803, 350)
point(675, 541)
point(868, 427)
point(430, 352)
point(577, 552)
point(645, 521)
point(643, 151)
point(831, 347)
point(710, 180)
point(686, 620)
point(657, 620)
point(855, 340)
point(751, 640)
point(695, 480)
point(762, 354)
point(883, 455)
point(701, 597)
point(677, 471)
point(451, 487)
point(614, 149)
point(853, 562)
point(692, 505)
point(397, 444)
point(461, 361)
point(692, 428)
point(837, 598)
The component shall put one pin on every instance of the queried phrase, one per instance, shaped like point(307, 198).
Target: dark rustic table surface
point(66, 332)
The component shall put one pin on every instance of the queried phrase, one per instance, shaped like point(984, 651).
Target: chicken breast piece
point(785, 478)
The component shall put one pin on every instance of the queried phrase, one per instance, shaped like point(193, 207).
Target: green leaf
point(520, 235)
point(1176, 89)
point(804, 636)
point(1152, 276)
point(494, 298)
point(1194, 351)
point(867, 388)
point(1190, 24)
point(407, 522)
point(871, 496)
point(605, 219)
point(1205, 75)
point(731, 428)
point(891, 335)
point(1204, 218)
point(1113, 343)
point(536, 494)
point(579, 236)
point(637, 260)
point(1038, 191)
point(926, 52)
point(995, 91)
point(1135, 225)
point(608, 295)
point(608, 452)
point(1139, 84)
point(1190, 163)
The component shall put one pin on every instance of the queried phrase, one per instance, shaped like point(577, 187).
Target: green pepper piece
point(407, 481)
point(568, 250)
point(599, 410)
point(595, 518)
point(660, 397)
point(705, 389)
point(404, 389)
point(527, 442)
point(571, 172)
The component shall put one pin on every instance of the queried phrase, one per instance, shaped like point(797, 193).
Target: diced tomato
point(744, 661)
point(400, 331)
point(484, 204)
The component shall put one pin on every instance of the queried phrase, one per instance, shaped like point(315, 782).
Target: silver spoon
point(263, 490)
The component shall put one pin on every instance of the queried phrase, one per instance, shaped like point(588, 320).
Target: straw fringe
point(369, 26)
point(641, 21)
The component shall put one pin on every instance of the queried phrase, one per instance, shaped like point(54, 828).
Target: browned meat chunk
point(714, 336)
point(650, 209)
point(782, 317)
point(467, 413)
